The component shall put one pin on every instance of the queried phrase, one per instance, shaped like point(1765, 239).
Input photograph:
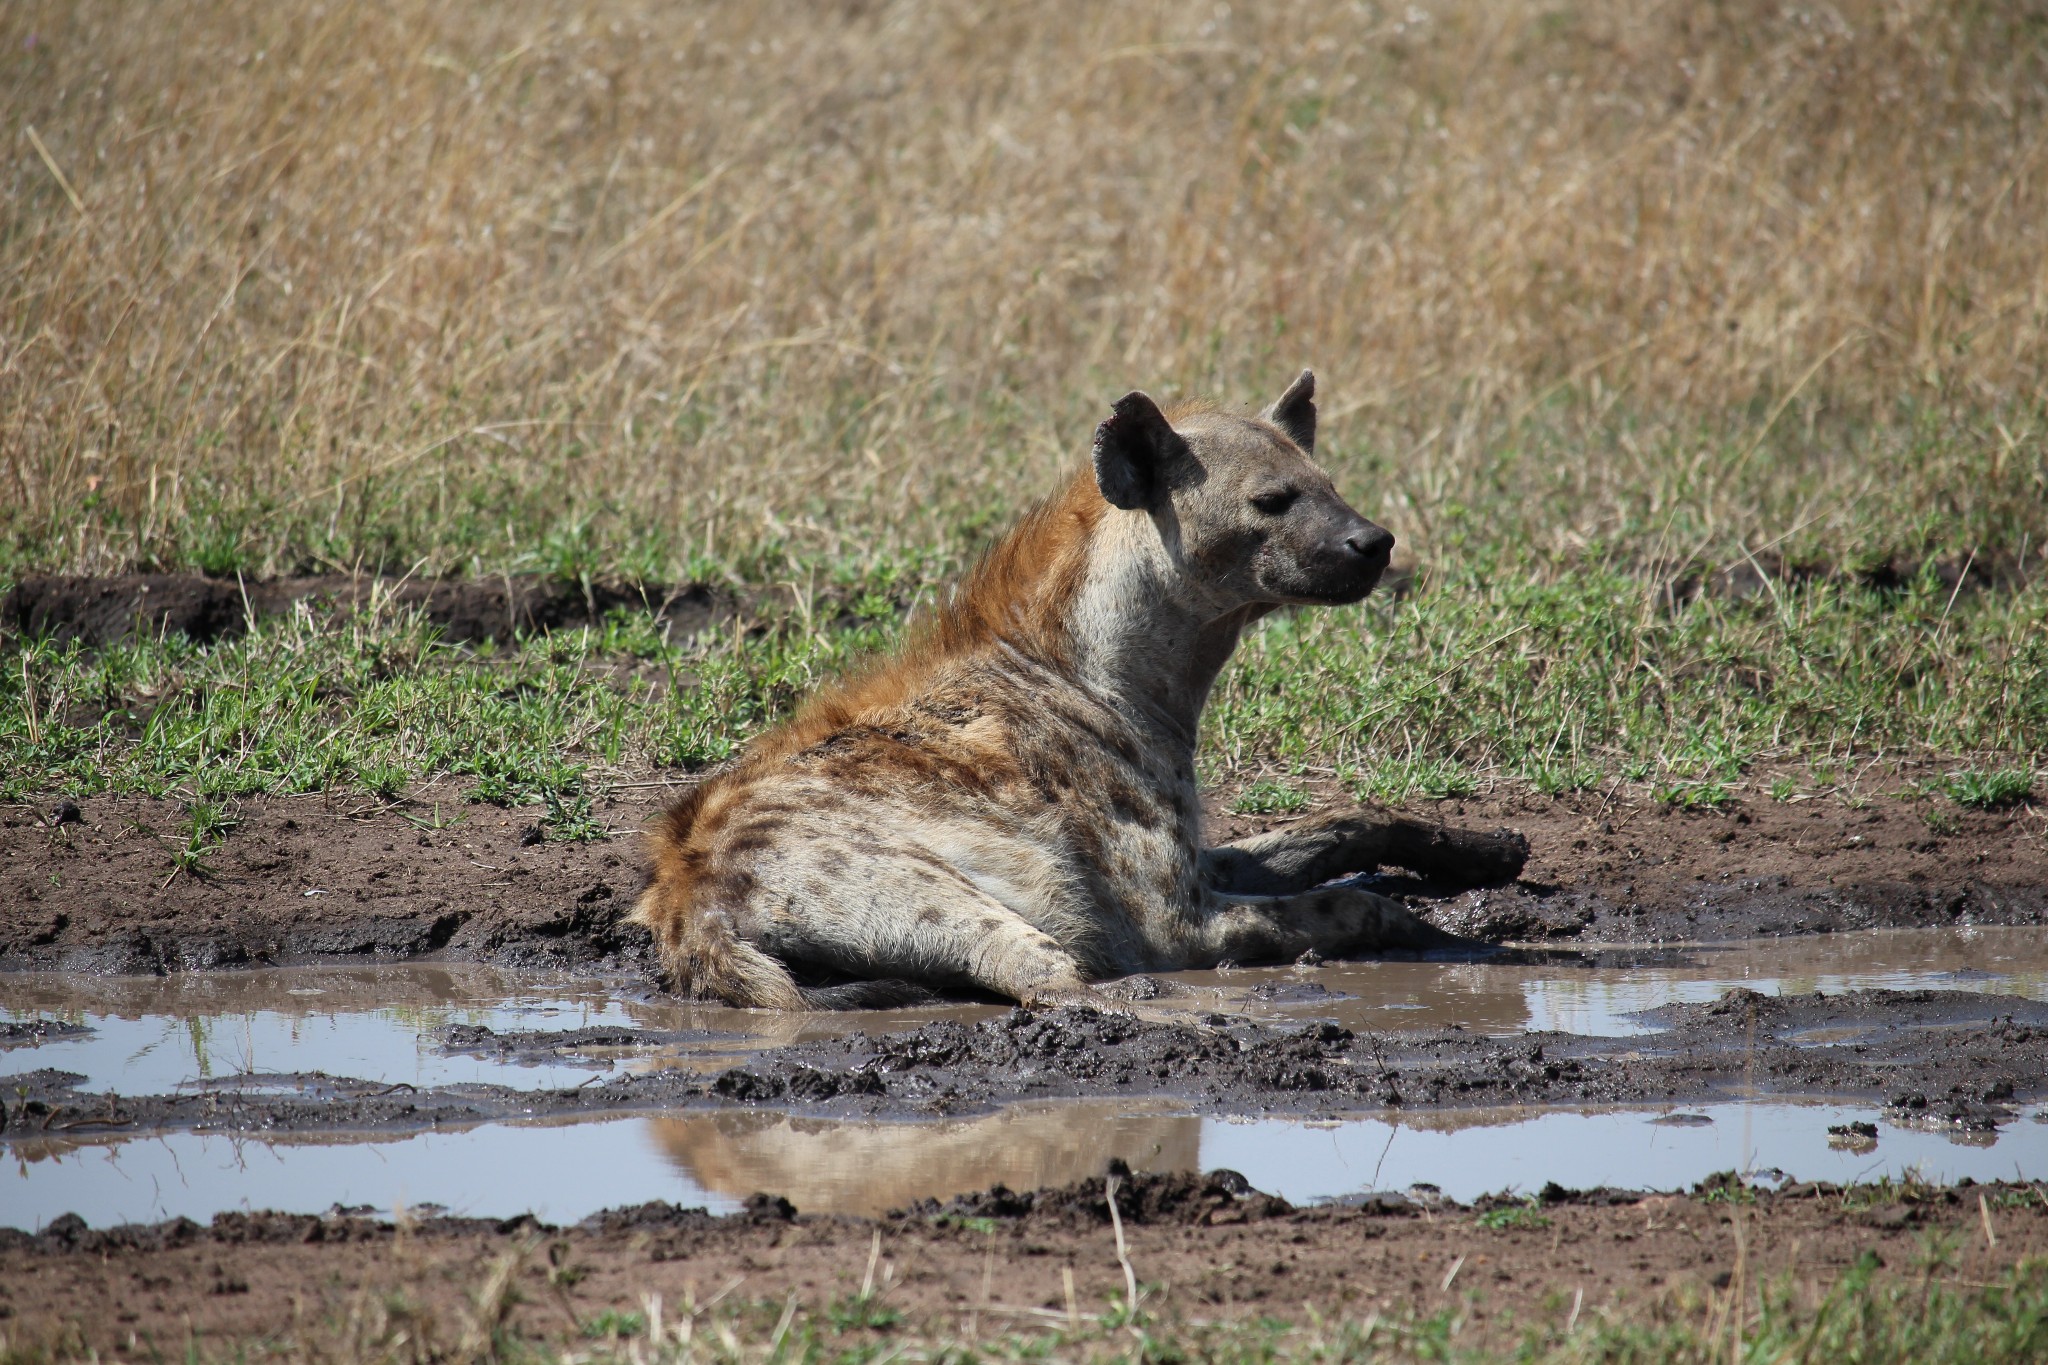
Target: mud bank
point(995, 1263)
point(94, 887)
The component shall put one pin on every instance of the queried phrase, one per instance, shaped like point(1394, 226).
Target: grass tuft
point(1986, 790)
point(1513, 1218)
point(1270, 796)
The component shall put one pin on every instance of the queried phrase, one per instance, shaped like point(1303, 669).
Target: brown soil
point(313, 880)
point(1211, 1249)
point(337, 879)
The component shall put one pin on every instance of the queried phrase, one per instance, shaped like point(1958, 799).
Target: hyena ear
point(1135, 448)
point(1294, 412)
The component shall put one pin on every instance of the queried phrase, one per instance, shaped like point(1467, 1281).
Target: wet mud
point(1971, 1051)
point(1945, 1059)
point(94, 886)
point(997, 1262)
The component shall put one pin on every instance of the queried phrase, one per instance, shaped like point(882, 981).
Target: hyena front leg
point(1311, 853)
point(1336, 921)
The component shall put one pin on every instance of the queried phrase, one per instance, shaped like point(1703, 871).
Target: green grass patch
point(1269, 796)
point(1480, 676)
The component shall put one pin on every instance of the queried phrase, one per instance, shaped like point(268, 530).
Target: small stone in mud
point(1293, 992)
point(471, 1038)
point(748, 1088)
point(35, 1032)
point(1962, 1119)
point(768, 1208)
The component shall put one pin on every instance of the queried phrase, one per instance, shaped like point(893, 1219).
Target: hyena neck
point(1133, 635)
point(1101, 595)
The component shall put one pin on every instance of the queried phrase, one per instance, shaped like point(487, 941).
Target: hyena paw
point(1072, 997)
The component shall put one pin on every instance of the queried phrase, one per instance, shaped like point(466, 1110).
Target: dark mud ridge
point(1766, 572)
point(1937, 1059)
point(1174, 1199)
point(105, 610)
point(89, 883)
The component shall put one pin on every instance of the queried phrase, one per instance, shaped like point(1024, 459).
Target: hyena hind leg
point(1313, 852)
point(1336, 921)
point(906, 920)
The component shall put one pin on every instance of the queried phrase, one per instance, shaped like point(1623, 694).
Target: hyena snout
point(1345, 561)
point(1370, 547)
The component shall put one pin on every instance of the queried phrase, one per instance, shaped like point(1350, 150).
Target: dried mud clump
point(1180, 1198)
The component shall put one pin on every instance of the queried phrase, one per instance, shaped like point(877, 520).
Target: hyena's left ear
point(1136, 450)
point(1294, 412)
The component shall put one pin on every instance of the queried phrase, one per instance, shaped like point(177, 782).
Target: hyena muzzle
point(1008, 805)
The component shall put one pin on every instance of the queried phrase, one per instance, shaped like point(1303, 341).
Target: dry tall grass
point(327, 280)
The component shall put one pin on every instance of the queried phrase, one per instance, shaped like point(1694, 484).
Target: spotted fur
point(1008, 805)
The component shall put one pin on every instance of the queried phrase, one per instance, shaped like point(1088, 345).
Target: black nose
point(1374, 544)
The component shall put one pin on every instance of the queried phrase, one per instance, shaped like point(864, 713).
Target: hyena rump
point(1009, 804)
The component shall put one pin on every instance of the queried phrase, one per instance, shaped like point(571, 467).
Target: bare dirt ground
point(993, 1264)
point(94, 886)
point(313, 880)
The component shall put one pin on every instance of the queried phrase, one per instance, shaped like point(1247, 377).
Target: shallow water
point(382, 1025)
point(153, 1035)
point(1601, 994)
point(563, 1172)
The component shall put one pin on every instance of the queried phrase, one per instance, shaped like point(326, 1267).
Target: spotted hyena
point(1008, 805)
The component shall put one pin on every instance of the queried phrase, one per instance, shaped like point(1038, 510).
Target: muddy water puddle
point(426, 1026)
point(317, 1032)
point(563, 1172)
point(404, 1024)
point(1599, 993)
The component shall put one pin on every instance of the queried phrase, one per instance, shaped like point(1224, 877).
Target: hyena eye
point(1274, 503)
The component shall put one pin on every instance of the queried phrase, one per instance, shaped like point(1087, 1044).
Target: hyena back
point(1009, 804)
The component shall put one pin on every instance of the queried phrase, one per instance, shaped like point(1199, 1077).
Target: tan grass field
point(466, 286)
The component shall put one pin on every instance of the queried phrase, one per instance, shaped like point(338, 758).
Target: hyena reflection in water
point(1009, 805)
point(870, 1168)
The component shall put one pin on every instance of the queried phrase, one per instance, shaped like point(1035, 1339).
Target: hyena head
point(1249, 517)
